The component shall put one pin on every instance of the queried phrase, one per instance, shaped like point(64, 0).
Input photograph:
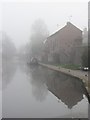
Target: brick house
point(61, 46)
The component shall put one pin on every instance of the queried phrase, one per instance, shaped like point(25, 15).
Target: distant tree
point(39, 34)
point(0, 44)
point(0, 41)
point(85, 57)
point(89, 56)
point(8, 47)
point(86, 53)
point(0, 57)
point(39, 27)
point(89, 37)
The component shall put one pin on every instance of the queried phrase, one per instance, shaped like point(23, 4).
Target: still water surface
point(37, 92)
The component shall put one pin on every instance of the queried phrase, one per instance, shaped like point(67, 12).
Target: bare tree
point(39, 34)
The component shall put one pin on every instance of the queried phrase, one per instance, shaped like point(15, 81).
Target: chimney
point(68, 23)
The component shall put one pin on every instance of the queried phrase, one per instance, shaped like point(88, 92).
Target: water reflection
point(35, 92)
point(0, 74)
point(67, 89)
point(8, 71)
point(38, 81)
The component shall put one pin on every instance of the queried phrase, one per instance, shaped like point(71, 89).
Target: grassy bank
point(69, 66)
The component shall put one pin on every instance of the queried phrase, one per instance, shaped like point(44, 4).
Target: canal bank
point(82, 75)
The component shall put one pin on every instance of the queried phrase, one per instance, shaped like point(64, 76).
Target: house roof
point(68, 23)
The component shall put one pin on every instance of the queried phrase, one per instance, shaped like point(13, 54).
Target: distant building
point(61, 46)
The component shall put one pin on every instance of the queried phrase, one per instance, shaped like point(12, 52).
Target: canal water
point(38, 92)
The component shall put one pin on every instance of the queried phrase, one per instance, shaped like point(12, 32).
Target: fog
point(24, 27)
point(18, 17)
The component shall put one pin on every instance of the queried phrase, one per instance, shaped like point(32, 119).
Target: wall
point(63, 43)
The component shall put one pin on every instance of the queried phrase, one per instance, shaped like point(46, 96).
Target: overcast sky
point(18, 17)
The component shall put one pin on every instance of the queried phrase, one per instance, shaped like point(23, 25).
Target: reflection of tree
point(23, 67)
point(8, 53)
point(39, 90)
point(0, 60)
point(8, 48)
point(8, 71)
point(38, 81)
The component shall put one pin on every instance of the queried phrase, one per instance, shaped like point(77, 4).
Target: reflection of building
point(61, 46)
point(69, 90)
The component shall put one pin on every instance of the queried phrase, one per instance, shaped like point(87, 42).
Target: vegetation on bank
point(69, 66)
point(85, 61)
point(86, 57)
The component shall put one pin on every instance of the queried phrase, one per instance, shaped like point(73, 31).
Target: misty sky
point(19, 16)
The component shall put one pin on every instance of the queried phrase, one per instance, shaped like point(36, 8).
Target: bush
point(85, 57)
